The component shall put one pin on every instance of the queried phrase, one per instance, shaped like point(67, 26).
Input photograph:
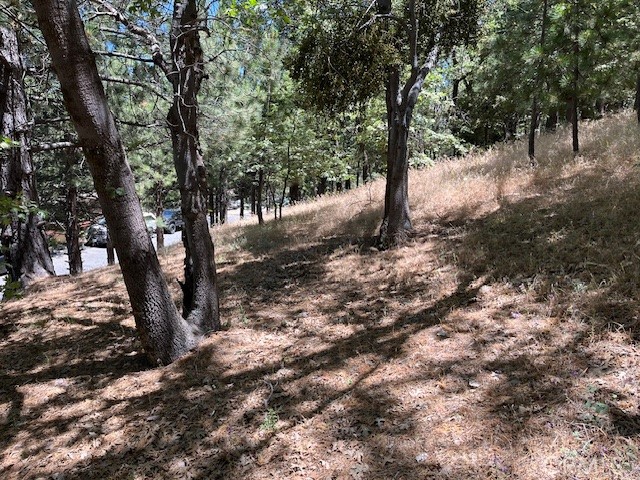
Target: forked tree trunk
point(27, 252)
point(200, 289)
point(165, 335)
point(396, 224)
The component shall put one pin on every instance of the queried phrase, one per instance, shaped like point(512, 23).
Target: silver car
point(97, 233)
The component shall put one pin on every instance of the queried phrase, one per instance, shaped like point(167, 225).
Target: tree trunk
point(159, 197)
point(535, 101)
point(552, 121)
point(574, 87)
point(200, 289)
point(222, 195)
point(241, 206)
point(259, 196)
point(253, 198)
point(111, 253)
point(213, 206)
point(396, 224)
point(637, 101)
point(575, 142)
point(294, 192)
point(71, 227)
point(72, 231)
point(164, 334)
point(322, 186)
point(365, 168)
point(27, 252)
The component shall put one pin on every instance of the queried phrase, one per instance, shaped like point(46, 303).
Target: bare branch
point(126, 81)
point(124, 55)
point(141, 125)
point(22, 24)
point(146, 35)
point(47, 147)
point(47, 121)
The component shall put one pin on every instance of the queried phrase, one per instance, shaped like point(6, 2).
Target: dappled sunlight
point(501, 342)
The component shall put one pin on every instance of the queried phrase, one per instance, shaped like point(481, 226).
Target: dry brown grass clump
point(502, 342)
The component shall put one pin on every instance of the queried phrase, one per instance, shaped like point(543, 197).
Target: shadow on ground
point(324, 372)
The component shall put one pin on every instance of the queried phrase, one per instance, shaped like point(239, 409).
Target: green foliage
point(513, 62)
point(270, 421)
point(7, 143)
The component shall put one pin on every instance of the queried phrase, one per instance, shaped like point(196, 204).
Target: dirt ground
point(500, 343)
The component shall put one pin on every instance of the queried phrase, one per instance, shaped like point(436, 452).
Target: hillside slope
point(502, 342)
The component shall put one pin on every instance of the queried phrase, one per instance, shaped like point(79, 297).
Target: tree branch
point(148, 36)
point(47, 147)
point(124, 55)
point(125, 81)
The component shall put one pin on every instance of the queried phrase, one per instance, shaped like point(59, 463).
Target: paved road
point(94, 257)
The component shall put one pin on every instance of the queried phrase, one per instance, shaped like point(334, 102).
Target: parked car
point(172, 220)
point(150, 221)
point(96, 235)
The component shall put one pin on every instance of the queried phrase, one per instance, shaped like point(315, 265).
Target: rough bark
point(24, 239)
point(535, 101)
point(396, 224)
point(164, 334)
point(201, 305)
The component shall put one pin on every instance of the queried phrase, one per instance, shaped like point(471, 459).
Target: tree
point(165, 335)
point(185, 71)
point(351, 61)
point(23, 234)
point(186, 74)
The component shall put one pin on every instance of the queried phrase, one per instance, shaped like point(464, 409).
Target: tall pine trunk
point(72, 229)
point(259, 190)
point(200, 289)
point(24, 239)
point(575, 142)
point(535, 102)
point(165, 335)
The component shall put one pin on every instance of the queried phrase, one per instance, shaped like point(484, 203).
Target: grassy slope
point(501, 343)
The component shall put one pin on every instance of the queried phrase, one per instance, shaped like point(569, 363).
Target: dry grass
point(501, 343)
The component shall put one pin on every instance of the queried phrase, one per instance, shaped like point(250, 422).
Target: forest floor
point(502, 342)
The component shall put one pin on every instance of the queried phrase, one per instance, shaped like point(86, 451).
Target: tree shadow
point(276, 396)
